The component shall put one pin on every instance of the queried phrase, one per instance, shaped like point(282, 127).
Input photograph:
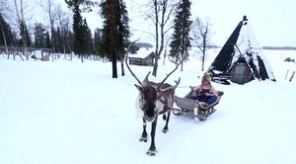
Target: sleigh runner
point(200, 112)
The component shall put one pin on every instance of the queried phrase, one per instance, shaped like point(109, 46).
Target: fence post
point(287, 74)
point(291, 78)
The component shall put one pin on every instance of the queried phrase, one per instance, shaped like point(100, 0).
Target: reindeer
point(154, 99)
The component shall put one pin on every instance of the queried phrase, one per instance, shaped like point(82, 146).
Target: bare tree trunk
point(164, 56)
point(24, 36)
point(154, 72)
point(20, 18)
point(122, 68)
point(81, 58)
point(201, 37)
point(112, 38)
point(203, 53)
point(160, 21)
point(49, 8)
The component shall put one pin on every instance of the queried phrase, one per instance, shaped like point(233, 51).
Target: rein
point(159, 95)
point(184, 86)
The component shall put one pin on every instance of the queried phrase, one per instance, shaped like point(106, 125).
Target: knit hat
point(206, 77)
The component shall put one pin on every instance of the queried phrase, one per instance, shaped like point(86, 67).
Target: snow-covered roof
point(142, 53)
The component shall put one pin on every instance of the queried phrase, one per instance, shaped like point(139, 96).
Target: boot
point(203, 105)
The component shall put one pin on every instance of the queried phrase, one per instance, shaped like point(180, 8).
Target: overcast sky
point(272, 21)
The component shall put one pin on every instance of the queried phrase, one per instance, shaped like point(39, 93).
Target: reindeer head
point(150, 92)
point(149, 95)
point(148, 98)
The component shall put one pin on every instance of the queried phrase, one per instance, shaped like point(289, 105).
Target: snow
point(68, 112)
point(142, 53)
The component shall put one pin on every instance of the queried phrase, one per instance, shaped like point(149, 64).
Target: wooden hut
point(143, 57)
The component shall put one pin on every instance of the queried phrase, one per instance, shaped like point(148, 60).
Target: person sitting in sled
point(205, 93)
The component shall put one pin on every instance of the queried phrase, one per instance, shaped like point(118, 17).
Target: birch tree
point(2, 24)
point(201, 36)
point(51, 10)
point(19, 10)
point(159, 12)
point(64, 23)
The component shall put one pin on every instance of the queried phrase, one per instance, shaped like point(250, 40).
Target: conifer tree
point(79, 25)
point(181, 39)
point(87, 38)
point(6, 35)
point(98, 41)
point(26, 39)
point(124, 33)
point(40, 35)
point(47, 41)
point(115, 32)
point(58, 40)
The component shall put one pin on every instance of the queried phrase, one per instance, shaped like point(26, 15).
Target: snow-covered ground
point(68, 112)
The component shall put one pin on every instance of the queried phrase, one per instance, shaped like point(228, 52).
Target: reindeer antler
point(146, 78)
point(184, 57)
point(127, 65)
point(171, 87)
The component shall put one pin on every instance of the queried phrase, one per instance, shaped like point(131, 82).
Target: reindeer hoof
point(143, 139)
point(151, 152)
point(165, 130)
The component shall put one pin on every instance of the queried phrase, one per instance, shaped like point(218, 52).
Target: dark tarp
point(224, 58)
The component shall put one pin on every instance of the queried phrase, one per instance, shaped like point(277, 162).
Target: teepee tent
point(242, 57)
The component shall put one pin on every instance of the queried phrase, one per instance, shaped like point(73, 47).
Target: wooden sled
point(186, 105)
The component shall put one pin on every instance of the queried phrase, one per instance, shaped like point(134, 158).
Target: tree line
point(69, 32)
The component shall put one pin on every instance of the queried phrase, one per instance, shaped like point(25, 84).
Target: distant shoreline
point(279, 48)
point(269, 47)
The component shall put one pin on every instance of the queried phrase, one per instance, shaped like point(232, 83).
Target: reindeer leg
point(166, 126)
point(144, 133)
point(152, 149)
